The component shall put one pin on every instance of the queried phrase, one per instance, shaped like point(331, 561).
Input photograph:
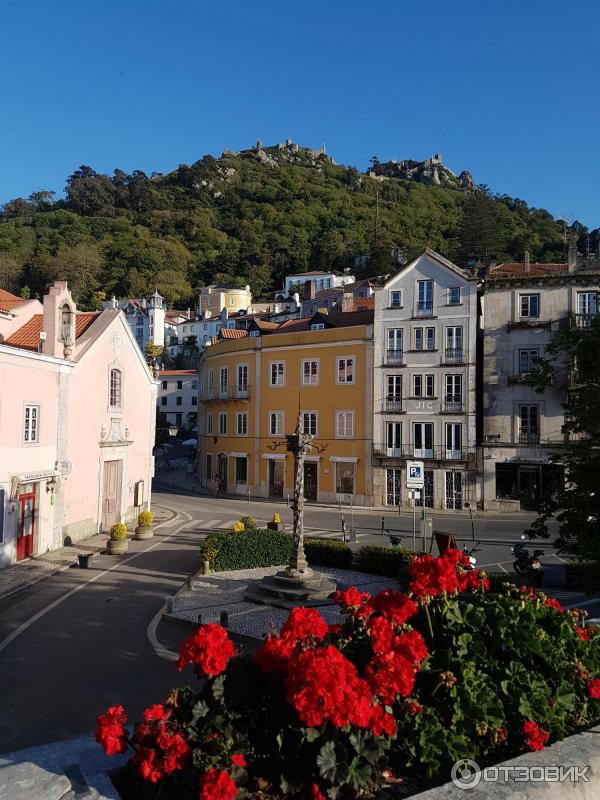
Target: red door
point(26, 526)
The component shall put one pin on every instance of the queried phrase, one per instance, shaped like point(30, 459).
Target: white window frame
point(454, 440)
point(338, 364)
point(452, 302)
point(242, 388)
point(279, 374)
point(241, 415)
point(279, 418)
point(209, 424)
point(400, 302)
point(222, 427)
point(303, 376)
point(393, 439)
point(344, 465)
point(31, 412)
point(344, 424)
point(427, 331)
point(419, 335)
point(317, 326)
point(427, 385)
point(527, 296)
point(223, 385)
point(118, 389)
point(527, 354)
point(313, 422)
point(423, 452)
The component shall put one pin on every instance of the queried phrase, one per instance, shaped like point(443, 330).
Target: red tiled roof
point(27, 337)
point(267, 326)
point(364, 303)
point(172, 372)
point(233, 333)
point(328, 292)
point(347, 318)
point(290, 325)
point(518, 268)
point(8, 300)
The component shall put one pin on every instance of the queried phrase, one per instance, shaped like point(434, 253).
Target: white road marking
point(584, 603)
point(159, 649)
point(228, 524)
point(210, 524)
point(169, 523)
point(32, 620)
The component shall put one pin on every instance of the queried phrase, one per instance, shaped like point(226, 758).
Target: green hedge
point(226, 550)
point(583, 576)
point(328, 553)
point(392, 562)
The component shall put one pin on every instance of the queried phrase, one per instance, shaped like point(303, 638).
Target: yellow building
point(215, 298)
point(253, 385)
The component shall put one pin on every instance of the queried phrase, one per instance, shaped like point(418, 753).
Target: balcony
point(582, 321)
point(433, 453)
point(424, 309)
point(529, 437)
point(452, 405)
point(217, 395)
point(395, 357)
point(394, 405)
point(453, 355)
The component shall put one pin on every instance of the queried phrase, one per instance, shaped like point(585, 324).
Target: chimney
point(526, 266)
point(309, 290)
point(347, 302)
point(572, 254)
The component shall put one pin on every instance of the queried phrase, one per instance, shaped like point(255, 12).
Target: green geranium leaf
point(327, 762)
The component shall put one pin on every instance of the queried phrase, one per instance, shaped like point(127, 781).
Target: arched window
point(66, 322)
point(115, 388)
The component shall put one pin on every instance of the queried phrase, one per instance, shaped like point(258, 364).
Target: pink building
point(77, 417)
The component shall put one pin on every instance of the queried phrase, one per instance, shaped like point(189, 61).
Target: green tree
point(481, 230)
point(575, 504)
point(153, 352)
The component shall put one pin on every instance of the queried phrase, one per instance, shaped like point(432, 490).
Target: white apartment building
point(424, 383)
point(524, 305)
point(177, 397)
point(320, 280)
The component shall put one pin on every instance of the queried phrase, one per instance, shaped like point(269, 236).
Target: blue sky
point(506, 89)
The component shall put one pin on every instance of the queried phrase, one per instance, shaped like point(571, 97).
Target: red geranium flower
point(350, 598)
point(593, 688)
point(396, 606)
point(209, 649)
point(156, 712)
point(314, 793)
point(382, 722)
point(303, 623)
point(583, 634)
point(274, 653)
point(381, 633)
point(535, 736)
point(216, 785)
point(552, 602)
point(238, 759)
point(110, 731)
point(147, 760)
point(412, 645)
point(432, 576)
point(390, 675)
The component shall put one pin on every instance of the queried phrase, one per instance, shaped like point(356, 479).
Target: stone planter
point(117, 548)
point(276, 526)
point(143, 532)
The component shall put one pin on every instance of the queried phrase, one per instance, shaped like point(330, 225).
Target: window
point(529, 424)
point(242, 424)
point(430, 339)
point(587, 303)
point(163, 401)
point(454, 295)
point(394, 340)
point(423, 439)
point(115, 388)
point(276, 423)
point(454, 344)
point(396, 299)
point(277, 373)
point(210, 379)
point(530, 305)
point(209, 424)
point(31, 432)
point(453, 393)
point(178, 400)
point(223, 380)
point(345, 370)
point(164, 385)
point(254, 333)
point(242, 378)
point(344, 424)
point(223, 424)
point(425, 298)
point(526, 359)
point(241, 469)
point(453, 440)
point(194, 385)
point(309, 422)
point(194, 400)
point(317, 326)
point(180, 384)
point(423, 386)
point(394, 387)
point(310, 373)
point(344, 477)
point(209, 465)
point(393, 439)
point(418, 338)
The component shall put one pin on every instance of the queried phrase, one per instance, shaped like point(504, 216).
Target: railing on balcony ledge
point(395, 357)
point(453, 355)
point(582, 321)
point(434, 453)
point(452, 405)
point(529, 437)
point(394, 405)
point(218, 394)
point(424, 309)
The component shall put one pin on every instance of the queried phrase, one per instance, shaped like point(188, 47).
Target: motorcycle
point(529, 566)
point(468, 553)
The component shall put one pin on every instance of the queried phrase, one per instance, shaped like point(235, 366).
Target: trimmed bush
point(248, 523)
point(583, 576)
point(328, 553)
point(226, 550)
point(145, 519)
point(498, 581)
point(118, 532)
point(392, 562)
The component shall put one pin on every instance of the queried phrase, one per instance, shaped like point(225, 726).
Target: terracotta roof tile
point(27, 337)
point(267, 326)
point(172, 372)
point(233, 333)
point(8, 300)
point(518, 268)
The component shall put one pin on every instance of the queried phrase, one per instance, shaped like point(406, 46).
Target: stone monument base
point(290, 588)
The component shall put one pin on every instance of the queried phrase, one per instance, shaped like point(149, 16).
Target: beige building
point(524, 305)
point(215, 298)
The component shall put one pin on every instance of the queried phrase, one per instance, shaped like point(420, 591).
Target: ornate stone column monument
point(298, 584)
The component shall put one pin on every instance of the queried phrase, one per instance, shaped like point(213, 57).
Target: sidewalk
point(27, 573)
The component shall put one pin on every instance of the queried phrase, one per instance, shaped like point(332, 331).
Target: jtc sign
point(414, 475)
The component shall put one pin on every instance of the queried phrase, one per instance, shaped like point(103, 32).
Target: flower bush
point(238, 527)
point(145, 519)
point(276, 519)
point(118, 532)
point(404, 686)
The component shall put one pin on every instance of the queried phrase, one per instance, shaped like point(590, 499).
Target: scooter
point(468, 552)
point(529, 566)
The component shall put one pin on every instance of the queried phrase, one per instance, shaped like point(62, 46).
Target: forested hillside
point(251, 217)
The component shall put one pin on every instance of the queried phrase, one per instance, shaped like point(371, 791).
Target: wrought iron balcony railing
point(395, 357)
point(453, 355)
point(452, 405)
point(582, 321)
point(221, 394)
point(529, 437)
point(394, 405)
point(424, 308)
point(434, 453)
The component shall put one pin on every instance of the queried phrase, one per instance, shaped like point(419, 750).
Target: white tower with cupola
point(156, 318)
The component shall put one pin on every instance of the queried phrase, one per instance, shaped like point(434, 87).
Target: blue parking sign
point(414, 474)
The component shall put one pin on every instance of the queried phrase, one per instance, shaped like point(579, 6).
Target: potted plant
point(238, 527)
point(144, 525)
point(117, 542)
point(276, 524)
point(85, 559)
